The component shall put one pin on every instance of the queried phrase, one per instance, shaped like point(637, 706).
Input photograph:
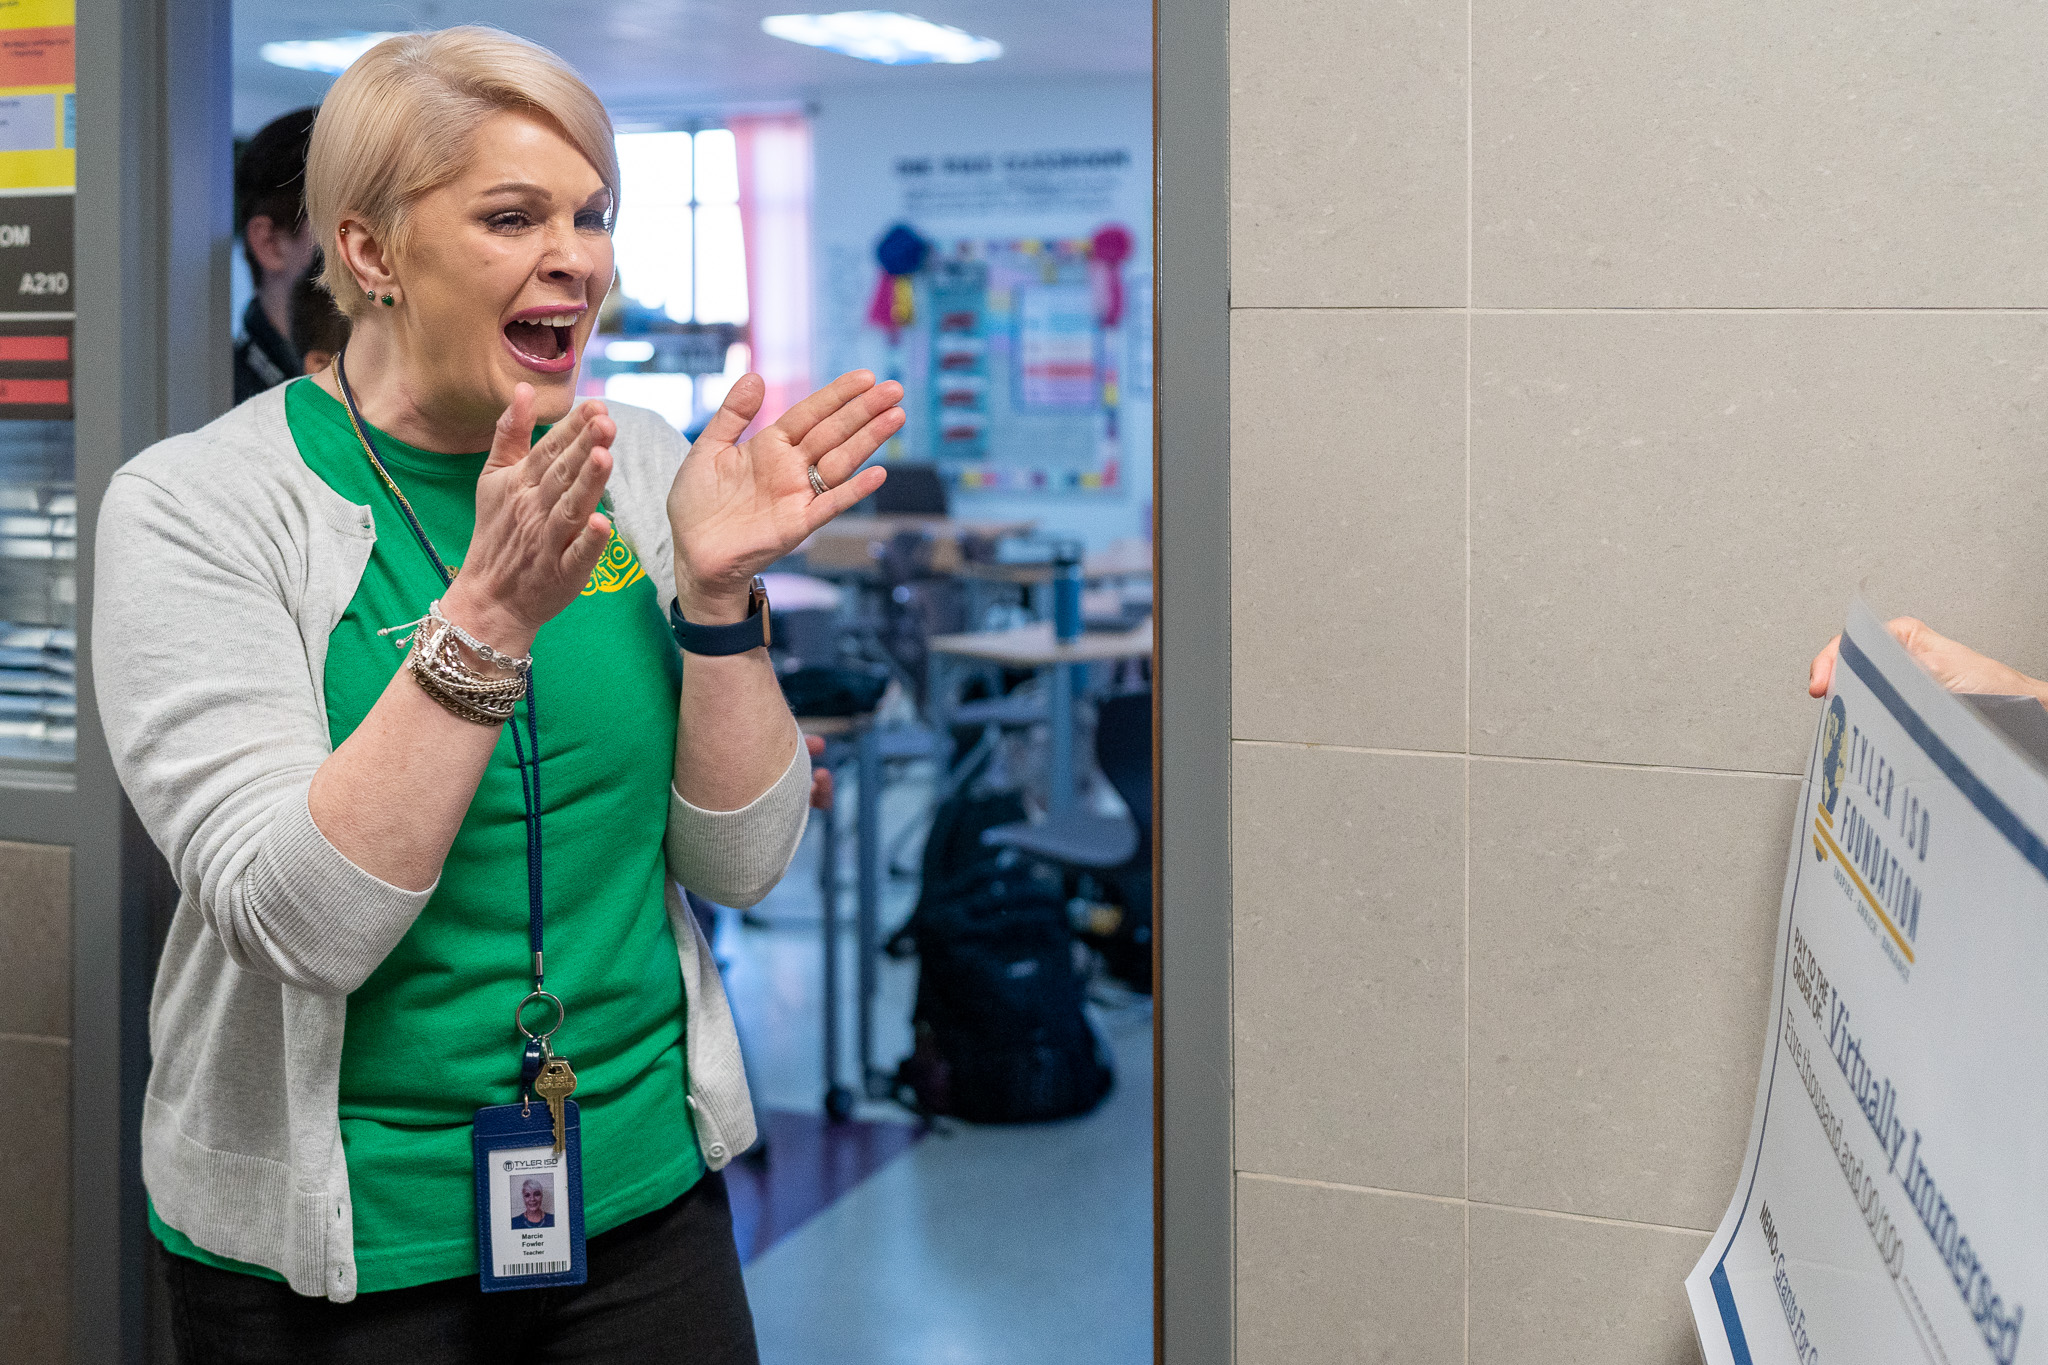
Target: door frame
point(154, 228)
point(1194, 1195)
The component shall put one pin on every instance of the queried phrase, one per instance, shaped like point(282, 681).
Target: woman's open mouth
point(544, 341)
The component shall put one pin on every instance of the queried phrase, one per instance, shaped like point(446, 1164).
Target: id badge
point(529, 1200)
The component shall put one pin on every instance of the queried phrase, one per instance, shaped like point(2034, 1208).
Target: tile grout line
point(1470, 757)
point(1471, 133)
point(34, 1038)
point(1470, 1204)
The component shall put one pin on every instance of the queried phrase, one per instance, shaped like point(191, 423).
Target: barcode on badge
point(506, 1272)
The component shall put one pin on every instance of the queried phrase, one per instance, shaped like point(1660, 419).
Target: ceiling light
point(879, 35)
point(629, 352)
point(330, 55)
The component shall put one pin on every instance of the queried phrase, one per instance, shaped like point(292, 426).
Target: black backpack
point(1000, 1032)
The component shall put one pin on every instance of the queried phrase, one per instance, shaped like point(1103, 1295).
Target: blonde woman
point(372, 840)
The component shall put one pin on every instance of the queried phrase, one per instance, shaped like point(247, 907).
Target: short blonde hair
point(399, 124)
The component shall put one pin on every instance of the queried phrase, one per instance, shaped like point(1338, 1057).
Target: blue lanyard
point(529, 770)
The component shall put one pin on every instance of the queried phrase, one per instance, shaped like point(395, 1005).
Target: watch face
point(758, 594)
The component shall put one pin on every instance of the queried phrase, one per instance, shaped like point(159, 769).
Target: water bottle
point(1066, 590)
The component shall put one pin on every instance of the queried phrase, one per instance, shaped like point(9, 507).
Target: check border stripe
point(1731, 1321)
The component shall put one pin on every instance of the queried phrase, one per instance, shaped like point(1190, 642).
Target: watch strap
point(718, 641)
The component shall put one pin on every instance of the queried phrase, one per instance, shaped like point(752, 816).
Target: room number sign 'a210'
point(36, 253)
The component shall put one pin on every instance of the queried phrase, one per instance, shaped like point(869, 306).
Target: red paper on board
point(35, 348)
point(38, 56)
point(43, 392)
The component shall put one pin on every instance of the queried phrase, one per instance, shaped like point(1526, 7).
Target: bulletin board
point(1024, 379)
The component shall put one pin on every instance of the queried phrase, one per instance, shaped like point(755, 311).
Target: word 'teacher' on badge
point(1890, 1208)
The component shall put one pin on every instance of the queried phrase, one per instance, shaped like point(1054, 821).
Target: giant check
point(1894, 1203)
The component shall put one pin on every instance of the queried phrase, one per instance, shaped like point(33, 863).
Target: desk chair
point(914, 489)
point(1109, 857)
point(916, 603)
point(1099, 843)
point(998, 715)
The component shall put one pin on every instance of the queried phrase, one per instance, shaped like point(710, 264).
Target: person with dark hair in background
point(319, 327)
point(278, 242)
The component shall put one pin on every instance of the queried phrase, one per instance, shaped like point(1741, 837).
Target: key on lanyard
point(556, 1083)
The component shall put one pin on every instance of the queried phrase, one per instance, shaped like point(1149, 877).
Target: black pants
point(665, 1287)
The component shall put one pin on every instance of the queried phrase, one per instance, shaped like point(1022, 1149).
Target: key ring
point(519, 1022)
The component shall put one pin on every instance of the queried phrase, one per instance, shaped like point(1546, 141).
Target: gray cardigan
point(223, 563)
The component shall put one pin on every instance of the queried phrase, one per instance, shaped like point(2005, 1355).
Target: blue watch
point(717, 641)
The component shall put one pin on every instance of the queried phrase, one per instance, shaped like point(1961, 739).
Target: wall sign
point(36, 308)
point(1017, 183)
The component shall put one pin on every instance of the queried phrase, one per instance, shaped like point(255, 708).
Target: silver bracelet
point(437, 664)
point(522, 664)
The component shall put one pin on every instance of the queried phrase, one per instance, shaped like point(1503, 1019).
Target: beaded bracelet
point(437, 664)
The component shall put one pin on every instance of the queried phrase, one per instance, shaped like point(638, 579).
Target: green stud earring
point(370, 294)
point(389, 301)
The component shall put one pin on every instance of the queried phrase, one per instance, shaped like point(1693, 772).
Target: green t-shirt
point(429, 1036)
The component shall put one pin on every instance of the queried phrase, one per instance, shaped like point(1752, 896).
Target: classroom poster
point(38, 173)
point(38, 95)
point(1056, 348)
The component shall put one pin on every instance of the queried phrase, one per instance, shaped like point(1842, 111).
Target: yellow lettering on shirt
point(620, 568)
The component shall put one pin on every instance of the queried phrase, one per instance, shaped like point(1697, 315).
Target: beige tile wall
point(1585, 360)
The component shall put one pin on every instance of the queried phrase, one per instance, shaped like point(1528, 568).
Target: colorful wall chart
point(38, 95)
point(1021, 371)
point(38, 175)
point(958, 298)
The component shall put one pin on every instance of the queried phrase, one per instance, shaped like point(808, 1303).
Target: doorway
point(1188, 505)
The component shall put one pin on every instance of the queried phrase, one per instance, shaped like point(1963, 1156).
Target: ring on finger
point(817, 481)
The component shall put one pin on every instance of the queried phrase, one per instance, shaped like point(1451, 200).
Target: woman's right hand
point(538, 533)
point(1956, 667)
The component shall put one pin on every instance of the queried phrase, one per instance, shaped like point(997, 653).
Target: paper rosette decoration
point(1107, 252)
point(901, 254)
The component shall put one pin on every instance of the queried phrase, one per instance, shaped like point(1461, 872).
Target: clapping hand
point(737, 507)
point(538, 531)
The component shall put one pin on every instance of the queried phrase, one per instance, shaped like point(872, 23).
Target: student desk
point(1033, 647)
point(852, 544)
point(1125, 559)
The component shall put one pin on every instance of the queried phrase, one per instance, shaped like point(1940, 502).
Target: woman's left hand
point(737, 507)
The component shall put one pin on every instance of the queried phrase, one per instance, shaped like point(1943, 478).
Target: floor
point(813, 1164)
point(873, 1243)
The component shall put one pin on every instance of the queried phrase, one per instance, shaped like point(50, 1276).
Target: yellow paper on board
point(56, 169)
point(38, 121)
point(38, 13)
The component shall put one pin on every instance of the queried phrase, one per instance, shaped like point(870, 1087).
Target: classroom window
point(678, 243)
